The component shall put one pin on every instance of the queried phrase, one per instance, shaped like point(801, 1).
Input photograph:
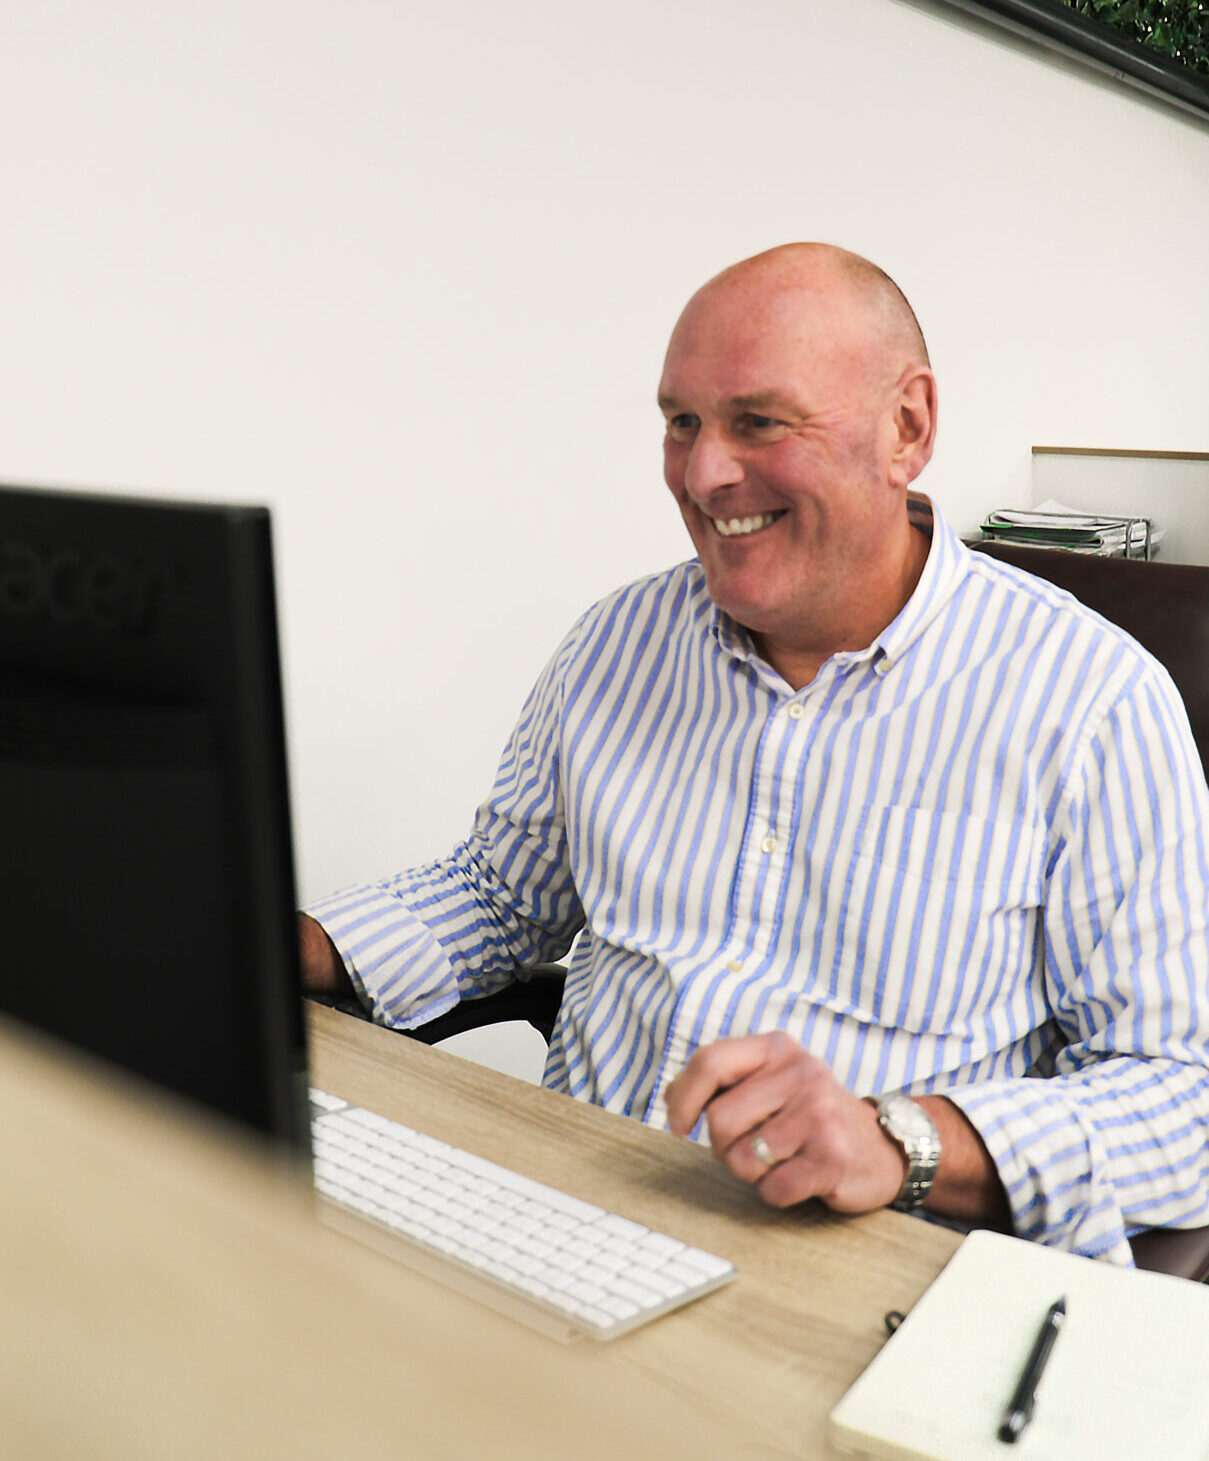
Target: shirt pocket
point(940, 917)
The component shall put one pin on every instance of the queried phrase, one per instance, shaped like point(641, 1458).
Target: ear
point(914, 425)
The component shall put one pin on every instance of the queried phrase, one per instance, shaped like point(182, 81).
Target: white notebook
point(1128, 1378)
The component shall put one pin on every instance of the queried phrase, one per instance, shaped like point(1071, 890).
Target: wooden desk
point(168, 1295)
point(763, 1360)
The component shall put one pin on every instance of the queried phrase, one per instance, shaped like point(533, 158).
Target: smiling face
point(784, 449)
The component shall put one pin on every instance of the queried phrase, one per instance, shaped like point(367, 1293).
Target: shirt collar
point(945, 566)
point(732, 638)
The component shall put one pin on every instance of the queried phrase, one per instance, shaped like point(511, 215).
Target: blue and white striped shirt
point(972, 853)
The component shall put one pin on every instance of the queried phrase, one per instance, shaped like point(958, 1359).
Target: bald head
point(891, 332)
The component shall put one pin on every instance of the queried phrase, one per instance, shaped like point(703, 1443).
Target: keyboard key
point(707, 1263)
point(642, 1294)
point(620, 1227)
point(660, 1243)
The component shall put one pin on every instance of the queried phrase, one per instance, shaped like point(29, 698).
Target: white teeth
point(737, 527)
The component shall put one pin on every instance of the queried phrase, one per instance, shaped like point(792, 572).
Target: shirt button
point(795, 711)
point(735, 966)
point(769, 844)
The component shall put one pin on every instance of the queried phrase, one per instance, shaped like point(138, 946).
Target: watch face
point(910, 1119)
point(914, 1130)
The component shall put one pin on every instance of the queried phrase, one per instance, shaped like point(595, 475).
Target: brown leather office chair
point(1166, 608)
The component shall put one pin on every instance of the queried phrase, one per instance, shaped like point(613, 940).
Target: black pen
point(1020, 1407)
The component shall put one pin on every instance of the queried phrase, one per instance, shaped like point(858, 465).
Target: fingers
point(823, 1145)
point(789, 1119)
point(718, 1068)
point(756, 1105)
point(779, 1120)
point(754, 1157)
point(804, 1150)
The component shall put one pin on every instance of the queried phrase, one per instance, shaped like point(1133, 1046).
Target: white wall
point(405, 272)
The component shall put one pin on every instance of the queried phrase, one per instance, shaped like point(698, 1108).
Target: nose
point(712, 465)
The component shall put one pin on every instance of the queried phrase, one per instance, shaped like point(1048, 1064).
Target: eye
point(681, 426)
point(755, 422)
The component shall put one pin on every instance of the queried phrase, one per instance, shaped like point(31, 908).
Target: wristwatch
point(912, 1130)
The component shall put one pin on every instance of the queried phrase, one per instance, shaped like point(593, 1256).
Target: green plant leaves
point(1176, 28)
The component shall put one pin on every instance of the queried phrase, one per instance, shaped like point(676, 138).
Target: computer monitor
point(145, 854)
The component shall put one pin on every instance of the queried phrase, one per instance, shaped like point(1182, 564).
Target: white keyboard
point(581, 1265)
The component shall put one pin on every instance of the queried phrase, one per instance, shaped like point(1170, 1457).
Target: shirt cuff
point(398, 969)
point(1051, 1163)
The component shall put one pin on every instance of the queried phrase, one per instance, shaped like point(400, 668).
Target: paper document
point(1053, 525)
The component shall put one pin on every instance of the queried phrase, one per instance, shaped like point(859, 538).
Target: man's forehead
point(746, 318)
point(755, 364)
point(755, 401)
point(768, 335)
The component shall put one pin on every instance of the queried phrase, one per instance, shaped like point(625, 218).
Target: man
point(844, 811)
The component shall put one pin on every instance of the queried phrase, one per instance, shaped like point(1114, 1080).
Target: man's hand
point(823, 1141)
point(765, 1100)
point(323, 970)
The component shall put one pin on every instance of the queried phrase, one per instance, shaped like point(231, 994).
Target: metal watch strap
point(914, 1132)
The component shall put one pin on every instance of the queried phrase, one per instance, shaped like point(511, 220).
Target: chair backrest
point(1165, 606)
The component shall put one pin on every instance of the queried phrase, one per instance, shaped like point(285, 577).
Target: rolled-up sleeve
point(462, 927)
